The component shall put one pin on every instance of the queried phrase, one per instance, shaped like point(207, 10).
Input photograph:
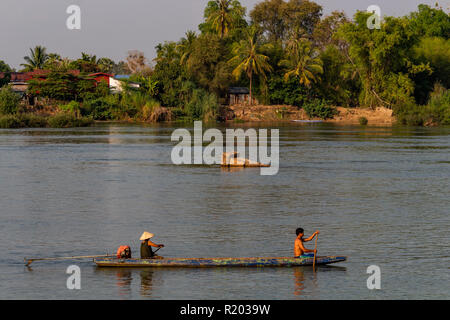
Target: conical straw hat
point(146, 235)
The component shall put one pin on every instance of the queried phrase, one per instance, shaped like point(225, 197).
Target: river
point(379, 195)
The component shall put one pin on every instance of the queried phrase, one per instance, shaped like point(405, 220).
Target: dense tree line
point(286, 52)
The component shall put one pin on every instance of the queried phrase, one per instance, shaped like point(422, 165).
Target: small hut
point(240, 95)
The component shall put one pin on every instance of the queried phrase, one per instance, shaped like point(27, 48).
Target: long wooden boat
point(217, 262)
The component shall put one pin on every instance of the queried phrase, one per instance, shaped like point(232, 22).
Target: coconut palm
point(248, 58)
point(303, 63)
point(36, 60)
point(185, 46)
point(221, 14)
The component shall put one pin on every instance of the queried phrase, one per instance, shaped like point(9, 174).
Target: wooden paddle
point(314, 261)
point(157, 250)
point(30, 261)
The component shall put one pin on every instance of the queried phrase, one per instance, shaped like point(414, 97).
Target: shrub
point(9, 122)
point(73, 107)
point(178, 114)
point(202, 105)
point(437, 111)
point(363, 121)
point(68, 121)
point(289, 93)
point(32, 121)
point(318, 109)
point(439, 105)
point(153, 112)
point(100, 108)
point(9, 101)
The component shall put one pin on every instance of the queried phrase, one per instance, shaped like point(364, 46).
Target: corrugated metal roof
point(238, 90)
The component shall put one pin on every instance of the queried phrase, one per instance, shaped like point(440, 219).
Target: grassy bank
point(14, 121)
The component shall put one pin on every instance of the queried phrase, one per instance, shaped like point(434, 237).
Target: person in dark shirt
point(146, 246)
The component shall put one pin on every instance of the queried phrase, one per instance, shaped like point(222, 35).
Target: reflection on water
point(123, 281)
point(366, 189)
point(299, 277)
point(146, 283)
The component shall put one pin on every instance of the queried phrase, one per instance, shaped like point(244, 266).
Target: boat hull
point(216, 262)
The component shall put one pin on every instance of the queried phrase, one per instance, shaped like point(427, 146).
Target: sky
point(110, 28)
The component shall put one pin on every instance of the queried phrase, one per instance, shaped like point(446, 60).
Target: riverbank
point(48, 117)
point(30, 120)
point(347, 116)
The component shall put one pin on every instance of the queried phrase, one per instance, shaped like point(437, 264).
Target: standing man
point(146, 246)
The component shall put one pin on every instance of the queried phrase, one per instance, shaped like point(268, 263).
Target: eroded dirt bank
point(378, 116)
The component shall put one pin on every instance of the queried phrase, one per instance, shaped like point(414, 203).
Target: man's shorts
point(306, 255)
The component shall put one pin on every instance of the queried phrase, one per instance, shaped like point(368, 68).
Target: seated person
point(146, 246)
point(299, 249)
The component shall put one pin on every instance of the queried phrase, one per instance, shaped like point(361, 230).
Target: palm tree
point(303, 63)
point(248, 59)
point(185, 46)
point(222, 14)
point(89, 58)
point(36, 60)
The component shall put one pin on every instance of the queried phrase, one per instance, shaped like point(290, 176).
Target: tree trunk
point(251, 96)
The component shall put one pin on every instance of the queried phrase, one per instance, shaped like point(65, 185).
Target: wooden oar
point(314, 261)
point(30, 261)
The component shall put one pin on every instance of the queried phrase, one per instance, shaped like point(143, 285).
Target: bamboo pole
point(30, 261)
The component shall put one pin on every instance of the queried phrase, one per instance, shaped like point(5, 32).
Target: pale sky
point(109, 28)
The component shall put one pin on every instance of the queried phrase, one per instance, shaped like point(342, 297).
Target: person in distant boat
point(299, 248)
point(146, 246)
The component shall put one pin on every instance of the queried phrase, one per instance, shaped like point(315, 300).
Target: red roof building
point(101, 76)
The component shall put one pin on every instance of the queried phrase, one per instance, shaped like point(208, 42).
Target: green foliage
point(340, 84)
point(289, 93)
point(319, 109)
point(9, 122)
point(430, 22)
point(381, 58)
point(68, 121)
point(104, 108)
point(302, 63)
point(287, 54)
point(58, 85)
point(28, 120)
point(281, 20)
point(73, 107)
point(439, 105)
point(363, 121)
point(202, 105)
point(36, 60)
point(33, 121)
point(208, 64)
point(223, 17)
point(435, 52)
point(436, 112)
point(9, 101)
point(66, 86)
point(247, 58)
point(7, 77)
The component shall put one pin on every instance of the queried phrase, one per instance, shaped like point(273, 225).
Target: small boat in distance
point(231, 159)
point(308, 121)
point(217, 262)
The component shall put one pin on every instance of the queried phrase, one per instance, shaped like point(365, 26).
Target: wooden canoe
point(217, 262)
